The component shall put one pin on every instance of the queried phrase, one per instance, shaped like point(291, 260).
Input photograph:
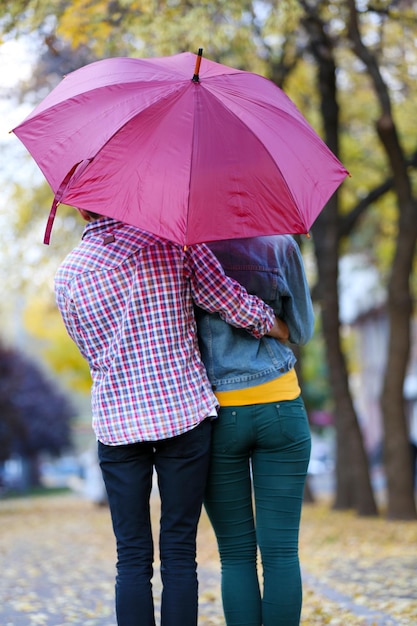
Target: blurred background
point(351, 68)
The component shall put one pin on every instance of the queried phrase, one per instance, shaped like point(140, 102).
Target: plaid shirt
point(126, 298)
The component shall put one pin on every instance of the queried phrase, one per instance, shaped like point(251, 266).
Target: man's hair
point(93, 215)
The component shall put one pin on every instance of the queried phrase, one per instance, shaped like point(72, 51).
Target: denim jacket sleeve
point(296, 306)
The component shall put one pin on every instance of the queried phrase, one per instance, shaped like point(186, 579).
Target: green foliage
point(43, 321)
point(28, 279)
point(31, 265)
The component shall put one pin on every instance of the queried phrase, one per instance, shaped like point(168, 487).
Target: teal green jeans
point(259, 462)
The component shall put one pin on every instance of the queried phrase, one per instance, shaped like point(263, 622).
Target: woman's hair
point(93, 215)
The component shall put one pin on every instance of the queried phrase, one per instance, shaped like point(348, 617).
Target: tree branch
point(348, 221)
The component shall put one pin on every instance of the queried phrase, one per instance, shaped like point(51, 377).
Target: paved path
point(57, 564)
point(368, 617)
point(48, 603)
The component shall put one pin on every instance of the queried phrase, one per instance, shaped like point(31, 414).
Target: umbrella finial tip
point(196, 77)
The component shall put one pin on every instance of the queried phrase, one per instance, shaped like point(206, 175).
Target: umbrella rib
point(190, 175)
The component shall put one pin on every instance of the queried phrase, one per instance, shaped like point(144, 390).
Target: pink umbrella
point(218, 155)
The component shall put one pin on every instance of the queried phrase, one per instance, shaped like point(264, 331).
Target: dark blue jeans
point(181, 464)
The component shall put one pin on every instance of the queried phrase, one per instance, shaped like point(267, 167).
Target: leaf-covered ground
point(57, 567)
point(358, 570)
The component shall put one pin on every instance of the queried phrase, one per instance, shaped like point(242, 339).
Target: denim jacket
point(272, 268)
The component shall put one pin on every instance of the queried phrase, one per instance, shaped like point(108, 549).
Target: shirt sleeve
point(69, 317)
point(213, 291)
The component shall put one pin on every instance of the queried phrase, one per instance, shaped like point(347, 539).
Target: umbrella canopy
point(218, 154)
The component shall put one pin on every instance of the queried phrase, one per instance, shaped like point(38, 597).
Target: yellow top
point(285, 387)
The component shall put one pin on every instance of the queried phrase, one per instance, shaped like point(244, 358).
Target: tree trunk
point(354, 489)
point(353, 484)
point(33, 470)
point(397, 456)
point(401, 501)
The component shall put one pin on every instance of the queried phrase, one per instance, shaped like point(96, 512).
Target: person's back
point(271, 268)
point(262, 432)
point(126, 298)
point(133, 340)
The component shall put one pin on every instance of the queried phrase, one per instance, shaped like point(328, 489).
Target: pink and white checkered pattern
point(126, 298)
